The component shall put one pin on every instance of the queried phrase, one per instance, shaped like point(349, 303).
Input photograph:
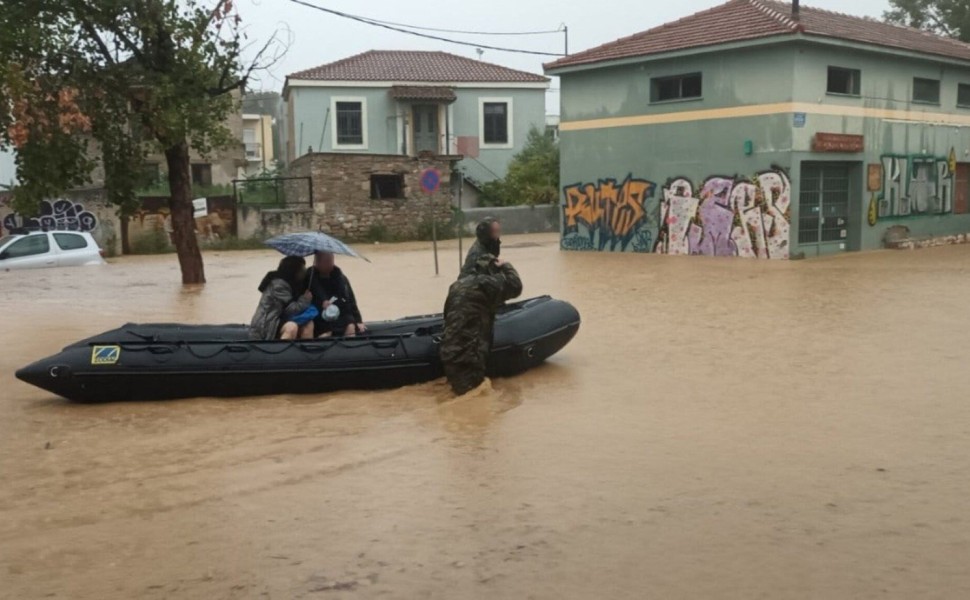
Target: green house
point(764, 130)
point(408, 103)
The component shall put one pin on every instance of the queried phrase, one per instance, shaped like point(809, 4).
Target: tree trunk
point(125, 242)
point(183, 220)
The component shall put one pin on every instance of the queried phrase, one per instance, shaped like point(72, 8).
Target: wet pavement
point(719, 429)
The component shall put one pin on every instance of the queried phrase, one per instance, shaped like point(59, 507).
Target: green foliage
point(161, 188)
point(533, 175)
point(128, 77)
point(263, 188)
point(944, 17)
point(446, 230)
point(378, 232)
point(154, 242)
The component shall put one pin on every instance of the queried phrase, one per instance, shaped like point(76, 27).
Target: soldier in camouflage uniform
point(488, 240)
point(470, 317)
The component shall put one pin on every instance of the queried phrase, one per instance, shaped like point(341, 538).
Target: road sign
point(430, 180)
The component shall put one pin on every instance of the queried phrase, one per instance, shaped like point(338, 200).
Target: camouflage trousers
point(465, 357)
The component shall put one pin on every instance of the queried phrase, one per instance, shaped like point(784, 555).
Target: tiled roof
point(412, 65)
point(741, 20)
point(423, 92)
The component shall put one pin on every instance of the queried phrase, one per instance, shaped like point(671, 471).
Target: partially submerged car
point(41, 249)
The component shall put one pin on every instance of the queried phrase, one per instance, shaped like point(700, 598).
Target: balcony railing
point(254, 151)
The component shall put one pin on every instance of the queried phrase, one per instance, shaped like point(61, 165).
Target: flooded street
point(718, 429)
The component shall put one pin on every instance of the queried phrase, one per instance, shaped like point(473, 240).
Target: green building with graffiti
point(764, 130)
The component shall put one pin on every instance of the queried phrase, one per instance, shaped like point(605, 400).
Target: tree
point(944, 17)
point(138, 72)
point(533, 174)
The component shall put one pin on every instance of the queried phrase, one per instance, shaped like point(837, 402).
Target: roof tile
point(416, 66)
point(741, 20)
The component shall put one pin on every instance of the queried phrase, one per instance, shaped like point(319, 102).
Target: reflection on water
point(718, 429)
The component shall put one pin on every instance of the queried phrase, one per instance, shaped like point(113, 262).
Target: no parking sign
point(430, 180)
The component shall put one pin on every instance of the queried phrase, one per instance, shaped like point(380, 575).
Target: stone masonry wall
point(342, 202)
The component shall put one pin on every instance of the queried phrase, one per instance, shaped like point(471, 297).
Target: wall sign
point(800, 119)
point(875, 178)
point(838, 142)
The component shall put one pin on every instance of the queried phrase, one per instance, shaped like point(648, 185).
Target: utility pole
point(565, 35)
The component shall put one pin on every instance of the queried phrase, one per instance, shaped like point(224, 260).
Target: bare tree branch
point(102, 46)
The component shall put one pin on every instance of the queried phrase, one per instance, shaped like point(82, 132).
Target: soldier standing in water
point(470, 318)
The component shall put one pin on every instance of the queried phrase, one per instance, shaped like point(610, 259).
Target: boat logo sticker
point(105, 355)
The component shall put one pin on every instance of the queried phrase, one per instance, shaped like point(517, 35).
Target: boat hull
point(157, 362)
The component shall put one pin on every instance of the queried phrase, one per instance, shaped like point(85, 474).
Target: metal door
point(961, 204)
point(824, 206)
point(425, 127)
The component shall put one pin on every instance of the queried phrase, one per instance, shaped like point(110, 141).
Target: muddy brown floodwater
point(718, 429)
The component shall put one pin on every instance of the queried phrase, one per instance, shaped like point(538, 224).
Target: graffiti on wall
point(608, 215)
point(916, 185)
point(59, 215)
point(727, 216)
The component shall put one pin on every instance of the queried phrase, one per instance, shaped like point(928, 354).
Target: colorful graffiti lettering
point(916, 185)
point(56, 215)
point(729, 216)
point(609, 215)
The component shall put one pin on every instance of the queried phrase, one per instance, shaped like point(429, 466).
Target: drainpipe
point(447, 131)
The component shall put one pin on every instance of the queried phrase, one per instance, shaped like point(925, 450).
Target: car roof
point(23, 233)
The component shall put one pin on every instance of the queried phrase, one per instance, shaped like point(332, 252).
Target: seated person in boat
point(329, 286)
point(470, 319)
point(280, 307)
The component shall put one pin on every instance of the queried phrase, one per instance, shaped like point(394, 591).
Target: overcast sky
point(317, 38)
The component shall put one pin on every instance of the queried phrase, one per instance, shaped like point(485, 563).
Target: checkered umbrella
point(305, 244)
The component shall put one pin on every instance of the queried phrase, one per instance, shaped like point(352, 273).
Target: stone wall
point(543, 218)
point(342, 203)
point(264, 223)
point(930, 242)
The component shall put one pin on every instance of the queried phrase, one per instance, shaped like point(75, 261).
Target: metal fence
point(274, 192)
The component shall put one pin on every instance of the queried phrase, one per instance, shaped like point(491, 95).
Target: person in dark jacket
point(325, 282)
point(280, 303)
point(470, 318)
point(488, 240)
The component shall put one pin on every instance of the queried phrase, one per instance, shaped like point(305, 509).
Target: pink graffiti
point(729, 217)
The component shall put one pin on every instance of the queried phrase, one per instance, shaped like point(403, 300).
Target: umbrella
point(305, 244)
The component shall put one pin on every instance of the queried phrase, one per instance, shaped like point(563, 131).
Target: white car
point(40, 249)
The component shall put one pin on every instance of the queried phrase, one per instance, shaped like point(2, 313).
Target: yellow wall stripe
point(761, 110)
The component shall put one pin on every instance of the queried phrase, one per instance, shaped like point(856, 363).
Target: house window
point(350, 123)
point(679, 87)
point(926, 90)
point(844, 81)
point(252, 146)
point(963, 95)
point(201, 174)
point(386, 187)
point(495, 120)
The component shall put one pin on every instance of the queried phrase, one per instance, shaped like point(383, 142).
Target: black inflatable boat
point(154, 362)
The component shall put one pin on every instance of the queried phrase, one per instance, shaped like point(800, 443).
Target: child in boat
point(280, 308)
